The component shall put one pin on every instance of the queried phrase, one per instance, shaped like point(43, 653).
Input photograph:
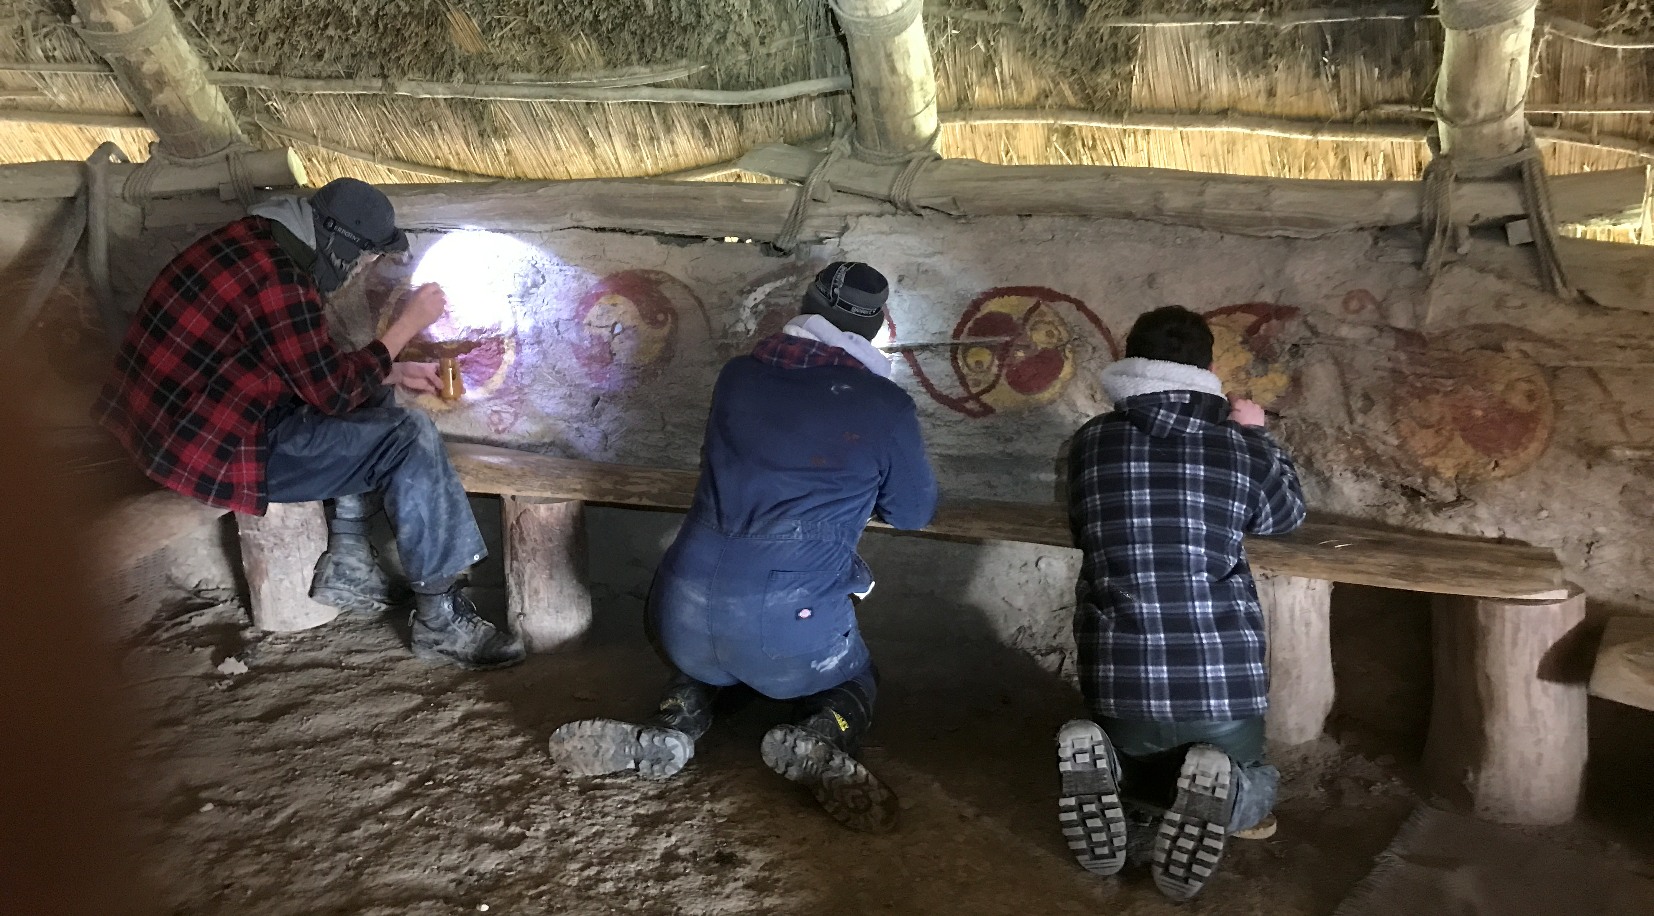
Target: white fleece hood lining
point(1134, 376)
point(817, 328)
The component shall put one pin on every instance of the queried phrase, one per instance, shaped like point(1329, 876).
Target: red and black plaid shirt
point(232, 327)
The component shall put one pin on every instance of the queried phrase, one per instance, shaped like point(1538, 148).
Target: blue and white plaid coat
point(1161, 491)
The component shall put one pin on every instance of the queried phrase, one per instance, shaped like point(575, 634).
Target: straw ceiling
point(1071, 56)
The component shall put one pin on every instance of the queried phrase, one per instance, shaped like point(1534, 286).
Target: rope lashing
point(1441, 230)
point(888, 25)
point(1436, 213)
point(137, 188)
point(793, 226)
point(1463, 16)
point(901, 192)
point(139, 39)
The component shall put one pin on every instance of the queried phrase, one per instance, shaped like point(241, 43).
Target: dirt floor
point(337, 774)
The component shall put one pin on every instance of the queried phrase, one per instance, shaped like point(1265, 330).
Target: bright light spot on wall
point(482, 273)
point(882, 339)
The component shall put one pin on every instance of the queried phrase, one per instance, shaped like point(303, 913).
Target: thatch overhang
point(1281, 90)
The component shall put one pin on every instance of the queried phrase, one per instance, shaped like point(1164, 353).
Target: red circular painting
point(1013, 349)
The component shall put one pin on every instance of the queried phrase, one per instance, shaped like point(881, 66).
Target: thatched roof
point(1371, 71)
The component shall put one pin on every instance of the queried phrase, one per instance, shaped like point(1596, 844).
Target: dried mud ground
point(337, 774)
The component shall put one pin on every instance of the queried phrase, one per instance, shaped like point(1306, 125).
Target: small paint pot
point(453, 387)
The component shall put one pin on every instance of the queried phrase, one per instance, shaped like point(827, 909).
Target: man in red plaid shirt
point(228, 388)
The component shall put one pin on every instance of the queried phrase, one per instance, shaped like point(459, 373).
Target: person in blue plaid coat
point(807, 439)
point(1170, 635)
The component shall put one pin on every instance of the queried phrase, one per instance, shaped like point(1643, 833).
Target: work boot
point(1089, 810)
point(445, 628)
point(348, 575)
point(657, 749)
point(1194, 831)
point(817, 753)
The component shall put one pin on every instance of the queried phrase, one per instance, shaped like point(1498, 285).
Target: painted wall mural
point(615, 359)
point(1470, 414)
point(1250, 345)
point(605, 345)
point(627, 325)
point(486, 278)
point(769, 301)
point(1013, 348)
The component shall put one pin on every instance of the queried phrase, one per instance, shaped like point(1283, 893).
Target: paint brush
point(944, 344)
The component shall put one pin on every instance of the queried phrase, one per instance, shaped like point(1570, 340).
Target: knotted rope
point(1441, 229)
point(131, 42)
point(888, 25)
point(139, 184)
point(793, 225)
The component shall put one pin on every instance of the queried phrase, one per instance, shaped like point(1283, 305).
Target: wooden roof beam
point(161, 75)
point(891, 76)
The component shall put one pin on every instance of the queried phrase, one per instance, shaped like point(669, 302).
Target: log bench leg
point(1507, 727)
point(278, 556)
point(547, 596)
point(1300, 657)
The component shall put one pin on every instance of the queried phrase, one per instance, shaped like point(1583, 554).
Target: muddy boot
point(1194, 831)
point(348, 575)
point(816, 753)
point(445, 628)
point(657, 749)
point(1089, 809)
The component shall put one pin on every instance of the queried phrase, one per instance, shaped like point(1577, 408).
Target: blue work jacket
point(757, 586)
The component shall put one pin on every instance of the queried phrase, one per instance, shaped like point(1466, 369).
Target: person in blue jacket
point(807, 439)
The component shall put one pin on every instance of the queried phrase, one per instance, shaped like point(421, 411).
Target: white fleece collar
point(1135, 375)
point(292, 212)
point(817, 328)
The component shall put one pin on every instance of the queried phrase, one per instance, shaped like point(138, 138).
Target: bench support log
point(278, 555)
point(1507, 729)
point(549, 601)
point(1300, 656)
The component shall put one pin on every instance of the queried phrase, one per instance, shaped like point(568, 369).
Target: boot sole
point(1089, 810)
point(349, 600)
point(848, 791)
point(432, 655)
point(1192, 835)
point(597, 747)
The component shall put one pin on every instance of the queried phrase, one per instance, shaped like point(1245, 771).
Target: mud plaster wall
point(1477, 406)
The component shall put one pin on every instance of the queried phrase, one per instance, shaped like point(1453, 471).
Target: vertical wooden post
point(278, 555)
point(1483, 84)
point(160, 74)
point(1301, 690)
point(547, 595)
point(891, 75)
point(1507, 727)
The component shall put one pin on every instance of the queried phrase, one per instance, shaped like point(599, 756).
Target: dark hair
point(1171, 333)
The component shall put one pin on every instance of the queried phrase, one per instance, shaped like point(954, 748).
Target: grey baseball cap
point(358, 217)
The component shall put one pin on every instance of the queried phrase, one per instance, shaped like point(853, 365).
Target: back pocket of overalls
point(802, 615)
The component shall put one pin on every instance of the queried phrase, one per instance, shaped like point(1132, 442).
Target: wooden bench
point(1506, 738)
point(1624, 671)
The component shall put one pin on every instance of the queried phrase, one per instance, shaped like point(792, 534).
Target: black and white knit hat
point(851, 295)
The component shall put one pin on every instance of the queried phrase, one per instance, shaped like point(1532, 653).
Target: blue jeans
point(379, 447)
point(1151, 754)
